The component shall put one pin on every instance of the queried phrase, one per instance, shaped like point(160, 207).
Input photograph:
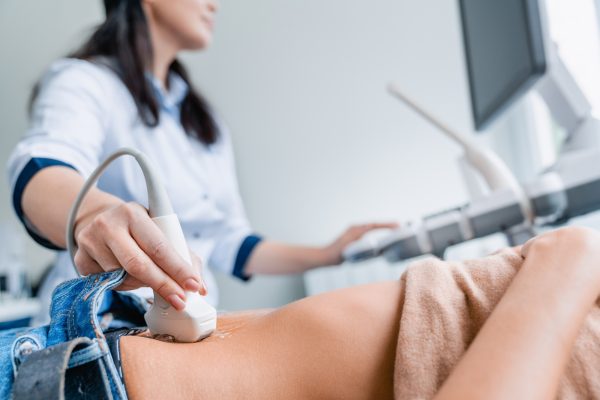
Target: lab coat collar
point(170, 100)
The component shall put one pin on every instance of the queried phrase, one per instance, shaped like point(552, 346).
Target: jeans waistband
point(77, 306)
point(72, 357)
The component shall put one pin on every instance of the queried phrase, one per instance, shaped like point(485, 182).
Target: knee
point(572, 239)
point(576, 236)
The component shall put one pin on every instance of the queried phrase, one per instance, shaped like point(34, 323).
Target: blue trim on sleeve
point(34, 166)
point(246, 249)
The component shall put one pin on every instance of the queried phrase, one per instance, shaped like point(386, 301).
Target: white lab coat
point(84, 112)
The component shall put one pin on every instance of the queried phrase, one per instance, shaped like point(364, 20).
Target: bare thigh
point(337, 345)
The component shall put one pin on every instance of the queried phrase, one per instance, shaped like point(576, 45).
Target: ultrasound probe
point(198, 319)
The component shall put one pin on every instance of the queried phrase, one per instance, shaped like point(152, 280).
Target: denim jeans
point(70, 358)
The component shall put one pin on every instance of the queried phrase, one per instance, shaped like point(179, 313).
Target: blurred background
point(319, 142)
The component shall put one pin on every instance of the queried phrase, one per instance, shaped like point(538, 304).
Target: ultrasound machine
point(508, 53)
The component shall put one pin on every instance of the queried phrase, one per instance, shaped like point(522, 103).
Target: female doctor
point(125, 88)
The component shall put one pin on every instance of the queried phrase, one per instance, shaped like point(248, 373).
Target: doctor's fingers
point(93, 252)
point(155, 244)
point(199, 266)
point(104, 257)
point(85, 264)
point(373, 226)
point(130, 283)
point(358, 231)
point(137, 264)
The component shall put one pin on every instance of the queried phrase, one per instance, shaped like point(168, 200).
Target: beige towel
point(444, 306)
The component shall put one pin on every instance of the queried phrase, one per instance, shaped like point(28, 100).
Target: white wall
point(319, 143)
point(32, 34)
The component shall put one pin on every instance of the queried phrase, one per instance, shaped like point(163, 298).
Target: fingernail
point(176, 302)
point(191, 285)
point(204, 290)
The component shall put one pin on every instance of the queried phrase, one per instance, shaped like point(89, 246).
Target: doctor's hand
point(124, 235)
point(352, 234)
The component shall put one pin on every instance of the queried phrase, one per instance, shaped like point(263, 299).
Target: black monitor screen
point(505, 53)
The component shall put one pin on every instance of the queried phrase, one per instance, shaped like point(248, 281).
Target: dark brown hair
point(125, 38)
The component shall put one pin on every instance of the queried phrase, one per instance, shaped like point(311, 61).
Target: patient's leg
point(337, 345)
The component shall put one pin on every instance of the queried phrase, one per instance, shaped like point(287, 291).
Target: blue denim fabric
point(81, 308)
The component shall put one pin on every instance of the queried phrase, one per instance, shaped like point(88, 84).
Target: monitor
point(504, 48)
